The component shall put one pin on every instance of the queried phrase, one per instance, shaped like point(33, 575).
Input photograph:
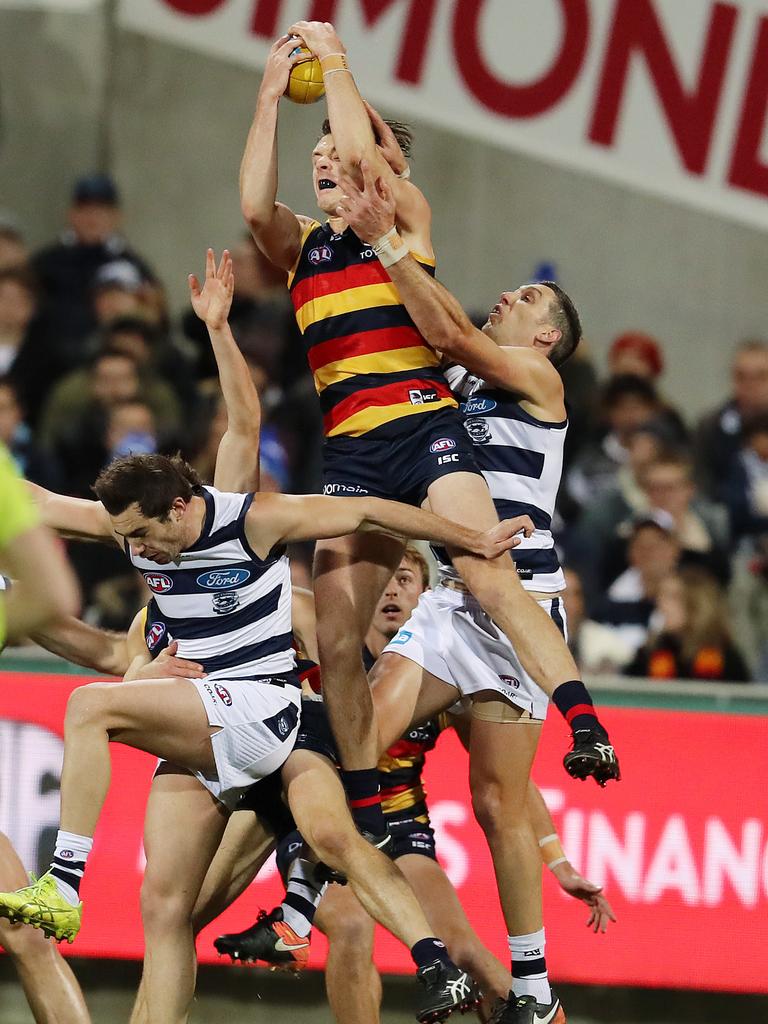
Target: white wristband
point(404, 175)
point(553, 864)
point(390, 248)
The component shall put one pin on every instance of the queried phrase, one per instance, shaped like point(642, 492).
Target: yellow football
point(305, 84)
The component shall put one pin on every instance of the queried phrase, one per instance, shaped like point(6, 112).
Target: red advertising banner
point(681, 845)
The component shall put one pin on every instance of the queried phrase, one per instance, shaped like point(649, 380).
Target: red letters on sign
point(747, 170)
point(533, 98)
point(195, 8)
point(691, 116)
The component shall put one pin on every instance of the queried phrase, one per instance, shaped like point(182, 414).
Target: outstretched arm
point(73, 517)
point(276, 229)
point(283, 518)
point(237, 460)
point(370, 210)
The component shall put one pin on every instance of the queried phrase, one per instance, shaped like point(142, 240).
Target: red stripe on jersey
point(389, 394)
point(362, 343)
point(579, 709)
point(329, 283)
point(387, 791)
point(367, 801)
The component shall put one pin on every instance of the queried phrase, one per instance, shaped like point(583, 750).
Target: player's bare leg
point(352, 983)
point(52, 991)
point(447, 919)
point(181, 813)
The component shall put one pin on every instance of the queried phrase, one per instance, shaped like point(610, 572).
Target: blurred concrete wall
point(176, 126)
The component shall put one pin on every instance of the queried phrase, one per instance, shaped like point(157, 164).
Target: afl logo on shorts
point(223, 694)
point(322, 254)
point(155, 635)
point(158, 582)
point(223, 579)
point(479, 431)
point(444, 444)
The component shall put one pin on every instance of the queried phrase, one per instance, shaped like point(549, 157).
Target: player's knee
point(25, 945)
point(163, 905)
point(87, 705)
point(351, 933)
point(332, 843)
point(495, 807)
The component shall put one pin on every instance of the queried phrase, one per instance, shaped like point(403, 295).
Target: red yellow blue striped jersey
point(373, 370)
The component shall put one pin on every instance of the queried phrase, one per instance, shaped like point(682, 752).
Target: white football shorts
point(450, 636)
point(258, 723)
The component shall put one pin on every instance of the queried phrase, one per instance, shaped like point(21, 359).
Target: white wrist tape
point(390, 248)
point(553, 864)
point(404, 175)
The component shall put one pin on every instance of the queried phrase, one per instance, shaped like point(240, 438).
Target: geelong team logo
point(225, 603)
point(322, 254)
point(155, 635)
point(158, 582)
point(478, 430)
point(224, 695)
point(443, 444)
point(475, 406)
point(223, 579)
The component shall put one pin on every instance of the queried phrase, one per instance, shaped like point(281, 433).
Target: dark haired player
point(392, 427)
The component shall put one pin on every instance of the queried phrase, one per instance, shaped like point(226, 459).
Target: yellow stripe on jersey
point(413, 358)
point(368, 419)
point(402, 801)
point(352, 300)
point(309, 227)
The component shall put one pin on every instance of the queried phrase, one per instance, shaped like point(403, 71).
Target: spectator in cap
point(67, 269)
point(636, 353)
point(690, 636)
point(718, 437)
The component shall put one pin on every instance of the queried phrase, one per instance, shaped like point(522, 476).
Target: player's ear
point(548, 335)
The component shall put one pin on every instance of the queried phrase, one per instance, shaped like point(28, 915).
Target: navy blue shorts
point(315, 730)
point(400, 468)
point(409, 835)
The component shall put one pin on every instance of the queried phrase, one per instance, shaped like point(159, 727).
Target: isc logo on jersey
point(155, 635)
point(222, 579)
point(158, 582)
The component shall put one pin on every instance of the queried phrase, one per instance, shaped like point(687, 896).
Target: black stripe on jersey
point(273, 556)
point(372, 318)
point(508, 409)
point(251, 652)
point(196, 628)
point(556, 615)
point(184, 581)
point(507, 509)
point(503, 458)
point(210, 512)
point(334, 393)
point(539, 560)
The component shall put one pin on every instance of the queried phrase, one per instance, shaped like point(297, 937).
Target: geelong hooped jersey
point(373, 370)
point(228, 609)
point(521, 459)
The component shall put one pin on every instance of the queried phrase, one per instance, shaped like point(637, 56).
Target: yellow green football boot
point(42, 906)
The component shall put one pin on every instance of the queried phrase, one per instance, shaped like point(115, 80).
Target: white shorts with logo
point(450, 636)
point(258, 723)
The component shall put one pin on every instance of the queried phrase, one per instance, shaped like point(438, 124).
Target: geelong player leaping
point(392, 426)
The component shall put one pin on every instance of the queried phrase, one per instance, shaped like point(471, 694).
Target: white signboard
point(668, 96)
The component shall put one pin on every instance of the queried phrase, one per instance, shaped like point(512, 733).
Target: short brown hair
point(402, 132)
point(419, 562)
point(565, 317)
point(153, 482)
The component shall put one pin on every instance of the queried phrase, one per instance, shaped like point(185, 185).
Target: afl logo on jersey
point(155, 635)
point(479, 431)
point(223, 579)
point(322, 254)
point(475, 406)
point(443, 444)
point(224, 695)
point(158, 582)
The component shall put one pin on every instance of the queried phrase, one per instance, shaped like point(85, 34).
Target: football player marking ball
point(305, 84)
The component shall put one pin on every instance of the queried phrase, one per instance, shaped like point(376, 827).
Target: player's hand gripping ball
point(305, 84)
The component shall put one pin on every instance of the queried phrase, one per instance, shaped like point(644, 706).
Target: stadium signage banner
point(667, 96)
point(681, 845)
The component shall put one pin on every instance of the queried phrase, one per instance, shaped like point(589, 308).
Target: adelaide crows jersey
point(373, 370)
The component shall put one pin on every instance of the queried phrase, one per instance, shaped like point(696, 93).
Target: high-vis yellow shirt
point(17, 511)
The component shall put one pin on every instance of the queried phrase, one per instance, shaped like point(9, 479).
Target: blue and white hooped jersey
point(228, 609)
point(521, 459)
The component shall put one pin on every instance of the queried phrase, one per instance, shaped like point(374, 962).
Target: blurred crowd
point(662, 523)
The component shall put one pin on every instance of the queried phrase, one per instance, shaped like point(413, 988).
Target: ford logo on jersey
point(155, 635)
point(443, 444)
point(222, 579)
point(158, 582)
point(477, 405)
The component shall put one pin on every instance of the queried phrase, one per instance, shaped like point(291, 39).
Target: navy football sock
point(575, 705)
point(362, 789)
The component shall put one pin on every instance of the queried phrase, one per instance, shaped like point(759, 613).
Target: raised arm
point(276, 229)
point(370, 210)
point(73, 517)
point(83, 644)
point(282, 518)
point(237, 460)
point(353, 129)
